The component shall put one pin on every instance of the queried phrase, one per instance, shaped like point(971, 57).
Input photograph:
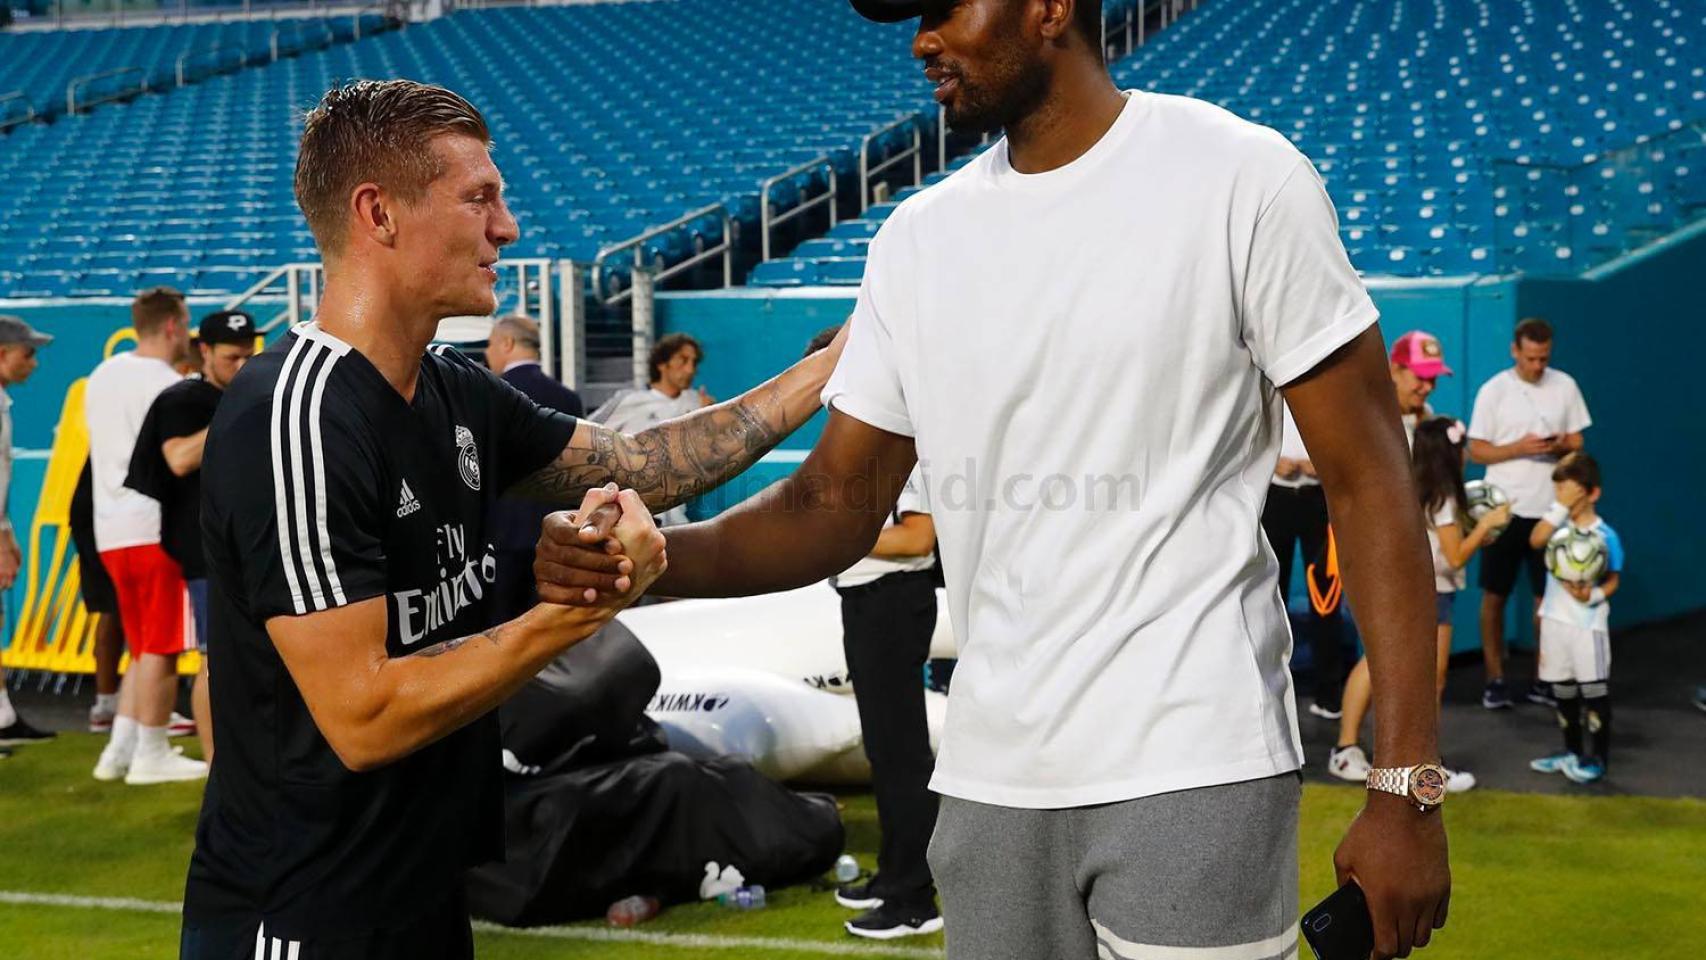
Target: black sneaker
point(5, 752)
point(1700, 698)
point(892, 921)
point(1541, 693)
point(20, 733)
point(1495, 696)
point(857, 896)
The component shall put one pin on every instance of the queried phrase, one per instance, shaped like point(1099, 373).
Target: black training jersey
point(321, 487)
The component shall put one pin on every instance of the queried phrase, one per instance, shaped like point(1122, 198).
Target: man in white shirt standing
point(1082, 339)
point(1526, 418)
point(18, 345)
point(152, 597)
point(674, 362)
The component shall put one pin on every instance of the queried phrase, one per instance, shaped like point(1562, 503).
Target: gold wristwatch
point(1422, 784)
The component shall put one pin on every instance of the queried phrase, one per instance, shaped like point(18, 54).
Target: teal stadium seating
point(608, 119)
point(1455, 136)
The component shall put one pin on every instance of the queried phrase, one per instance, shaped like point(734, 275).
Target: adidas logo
point(406, 502)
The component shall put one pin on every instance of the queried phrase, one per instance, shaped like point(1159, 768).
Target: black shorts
point(1501, 559)
point(442, 934)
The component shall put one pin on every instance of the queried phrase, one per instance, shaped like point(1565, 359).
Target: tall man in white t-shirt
point(1525, 419)
point(1118, 769)
point(152, 597)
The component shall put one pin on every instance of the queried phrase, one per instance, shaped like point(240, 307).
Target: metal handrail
point(637, 243)
point(71, 88)
point(183, 59)
point(292, 274)
point(916, 152)
point(765, 221)
point(6, 123)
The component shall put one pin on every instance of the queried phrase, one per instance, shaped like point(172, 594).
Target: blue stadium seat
point(784, 273)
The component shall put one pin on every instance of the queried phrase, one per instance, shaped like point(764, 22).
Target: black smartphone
point(1339, 927)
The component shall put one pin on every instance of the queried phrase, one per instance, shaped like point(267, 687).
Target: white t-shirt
point(1508, 408)
point(1412, 420)
point(1291, 448)
point(1121, 629)
point(911, 500)
point(631, 411)
point(118, 396)
point(1447, 579)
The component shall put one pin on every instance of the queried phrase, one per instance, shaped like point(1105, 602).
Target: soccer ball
point(1484, 498)
point(1576, 556)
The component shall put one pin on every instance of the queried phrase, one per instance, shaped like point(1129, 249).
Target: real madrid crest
point(467, 457)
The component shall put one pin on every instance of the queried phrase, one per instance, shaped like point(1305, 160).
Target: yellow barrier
point(54, 631)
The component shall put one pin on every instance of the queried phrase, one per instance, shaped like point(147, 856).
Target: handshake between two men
point(606, 553)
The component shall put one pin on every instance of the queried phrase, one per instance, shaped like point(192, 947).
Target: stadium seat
point(609, 119)
point(1456, 136)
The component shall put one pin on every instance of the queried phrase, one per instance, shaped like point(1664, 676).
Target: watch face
point(1427, 785)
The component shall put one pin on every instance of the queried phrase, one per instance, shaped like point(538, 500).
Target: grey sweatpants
point(1205, 874)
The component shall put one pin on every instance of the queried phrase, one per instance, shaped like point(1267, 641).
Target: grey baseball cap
point(14, 330)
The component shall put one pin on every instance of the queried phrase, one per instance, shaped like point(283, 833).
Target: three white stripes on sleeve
point(272, 948)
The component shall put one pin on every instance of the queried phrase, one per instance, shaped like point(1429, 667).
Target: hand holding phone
point(1339, 928)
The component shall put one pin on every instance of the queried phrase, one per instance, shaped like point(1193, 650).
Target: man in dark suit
point(513, 353)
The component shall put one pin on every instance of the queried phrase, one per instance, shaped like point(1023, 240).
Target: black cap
point(227, 326)
point(888, 11)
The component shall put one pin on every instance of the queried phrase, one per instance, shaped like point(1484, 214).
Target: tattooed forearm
point(677, 459)
point(440, 649)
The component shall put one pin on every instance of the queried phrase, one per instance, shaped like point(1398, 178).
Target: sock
point(123, 741)
point(106, 703)
point(1569, 700)
point(151, 741)
point(1596, 717)
point(8, 716)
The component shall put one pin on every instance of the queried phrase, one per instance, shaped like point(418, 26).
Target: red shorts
point(151, 599)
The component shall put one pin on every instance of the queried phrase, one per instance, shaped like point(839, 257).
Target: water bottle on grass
point(632, 911)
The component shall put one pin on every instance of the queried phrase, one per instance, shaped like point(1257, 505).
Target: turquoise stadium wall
point(1627, 332)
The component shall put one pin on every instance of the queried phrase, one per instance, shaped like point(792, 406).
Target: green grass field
point(1535, 876)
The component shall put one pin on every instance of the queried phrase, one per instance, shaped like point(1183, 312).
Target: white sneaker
point(180, 726)
point(1349, 763)
point(114, 764)
point(1459, 781)
point(101, 721)
point(164, 768)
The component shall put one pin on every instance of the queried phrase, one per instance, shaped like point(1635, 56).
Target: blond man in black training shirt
point(348, 479)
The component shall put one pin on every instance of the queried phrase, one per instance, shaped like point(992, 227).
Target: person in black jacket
point(166, 465)
point(512, 352)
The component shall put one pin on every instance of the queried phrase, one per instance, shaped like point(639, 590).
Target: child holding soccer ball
point(1585, 557)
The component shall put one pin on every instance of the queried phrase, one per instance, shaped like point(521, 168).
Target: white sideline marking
point(696, 941)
